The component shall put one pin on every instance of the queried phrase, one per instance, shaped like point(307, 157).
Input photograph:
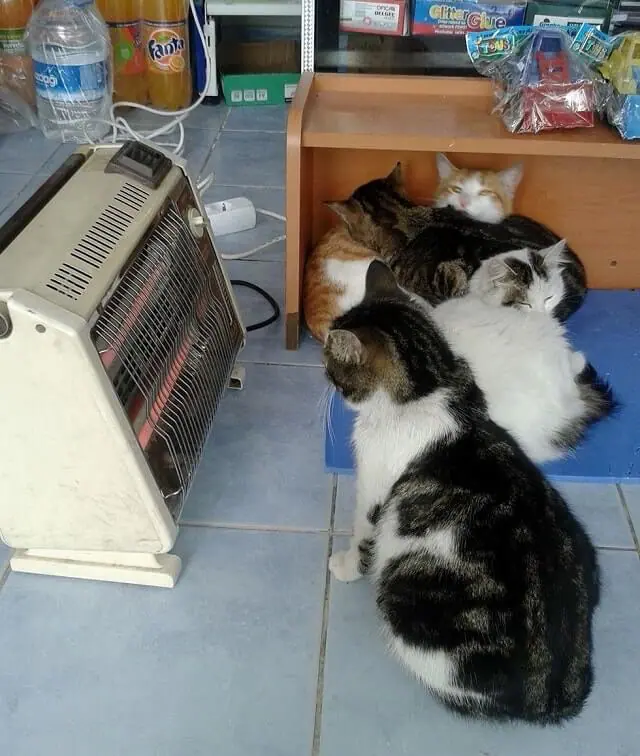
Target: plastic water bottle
point(69, 43)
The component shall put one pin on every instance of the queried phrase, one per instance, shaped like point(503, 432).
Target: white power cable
point(122, 129)
point(255, 250)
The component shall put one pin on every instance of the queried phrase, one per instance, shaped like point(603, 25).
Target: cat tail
point(597, 395)
point(598, 402)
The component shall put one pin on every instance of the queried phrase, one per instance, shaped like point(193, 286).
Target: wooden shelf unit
point(344, 130)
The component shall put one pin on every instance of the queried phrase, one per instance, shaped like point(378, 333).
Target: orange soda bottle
point(124, 20)
point(165, 35)
point(16, 71)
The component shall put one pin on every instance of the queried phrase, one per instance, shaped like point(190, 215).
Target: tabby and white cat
point(485, 581)
point(433, 251)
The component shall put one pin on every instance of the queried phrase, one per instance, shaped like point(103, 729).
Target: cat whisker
point(327, 400)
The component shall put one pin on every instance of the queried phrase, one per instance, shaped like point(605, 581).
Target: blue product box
point(462, 16)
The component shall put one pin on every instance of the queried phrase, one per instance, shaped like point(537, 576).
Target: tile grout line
point(6, 571)
point(281, 364)
point(317, 720)
point(254, 186)
point(248, 186)
point(627, 514)
point(212, 148)
point(254, 131)
point(253, 527)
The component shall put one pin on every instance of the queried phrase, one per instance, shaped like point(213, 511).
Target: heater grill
point(167, 338)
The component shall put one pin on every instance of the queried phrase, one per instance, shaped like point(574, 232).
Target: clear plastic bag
point(542, 78)
point(15, 113)
point(622, 70)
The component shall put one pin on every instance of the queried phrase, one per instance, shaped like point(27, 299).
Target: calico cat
point(485, 581)
point(483, 195)
point(434, 251)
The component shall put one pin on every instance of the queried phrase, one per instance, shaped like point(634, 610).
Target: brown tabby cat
point(433, 251)
point(335, 270)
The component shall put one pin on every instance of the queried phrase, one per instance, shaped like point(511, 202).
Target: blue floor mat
point(607, 330)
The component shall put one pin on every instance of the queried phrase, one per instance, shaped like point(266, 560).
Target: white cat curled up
point(536, 386)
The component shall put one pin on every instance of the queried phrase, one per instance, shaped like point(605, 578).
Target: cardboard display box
point(568, 14)
point(259, 73)
point(391, 17)
point(457, 17)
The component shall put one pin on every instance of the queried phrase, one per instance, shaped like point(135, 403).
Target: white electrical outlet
point(231, 216)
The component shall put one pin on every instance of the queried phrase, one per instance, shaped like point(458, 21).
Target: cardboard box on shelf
point(457, 17)
point(569, 15)
point(391, 18)
point(259, 73)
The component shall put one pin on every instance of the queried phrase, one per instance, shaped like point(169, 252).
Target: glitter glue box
point(462, 16)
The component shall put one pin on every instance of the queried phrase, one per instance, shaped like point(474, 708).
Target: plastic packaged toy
point(542, 82)
point(622, 69)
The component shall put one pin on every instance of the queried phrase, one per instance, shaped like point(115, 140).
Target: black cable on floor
point(274, 305)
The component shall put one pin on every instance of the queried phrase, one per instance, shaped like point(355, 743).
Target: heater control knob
point(196, 222)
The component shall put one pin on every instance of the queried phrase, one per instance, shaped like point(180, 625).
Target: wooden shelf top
point(433, 114)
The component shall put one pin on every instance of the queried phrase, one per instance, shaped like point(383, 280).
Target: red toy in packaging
point(541, 82)
point(555, 95)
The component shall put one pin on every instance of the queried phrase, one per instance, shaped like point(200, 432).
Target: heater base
point(159, 570)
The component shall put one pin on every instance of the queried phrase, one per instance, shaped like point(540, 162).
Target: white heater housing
point(118, 337)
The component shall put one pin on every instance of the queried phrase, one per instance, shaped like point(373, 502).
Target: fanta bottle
point(124, 20)
point(15, 62)
point(166, 41)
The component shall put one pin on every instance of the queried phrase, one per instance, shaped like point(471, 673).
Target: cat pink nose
point(463, 202)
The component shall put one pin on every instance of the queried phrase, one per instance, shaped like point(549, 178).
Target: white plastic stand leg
point(160, 570)
point(237, 378)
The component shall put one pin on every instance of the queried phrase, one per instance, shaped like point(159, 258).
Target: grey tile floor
point(256, 651)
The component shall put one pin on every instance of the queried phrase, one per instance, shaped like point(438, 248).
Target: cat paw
point(451, 279)
point(344, 566)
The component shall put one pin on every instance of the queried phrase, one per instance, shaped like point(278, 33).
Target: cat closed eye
point(488, 193)
point(524, 304)
point(548, 299)
point(456, 189)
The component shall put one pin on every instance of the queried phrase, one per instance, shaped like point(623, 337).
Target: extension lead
point(239, 214)
point(231, 216)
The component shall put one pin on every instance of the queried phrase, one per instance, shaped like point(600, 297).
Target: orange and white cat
point(486, 196)
point(334, 279)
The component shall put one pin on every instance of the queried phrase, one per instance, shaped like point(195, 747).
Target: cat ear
point(342, 209)
point(554, 255)
point(345, 346)
point(444, 165)
point(510, 178)
point(380, 282)
point(395, 178)
point(497, 269)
